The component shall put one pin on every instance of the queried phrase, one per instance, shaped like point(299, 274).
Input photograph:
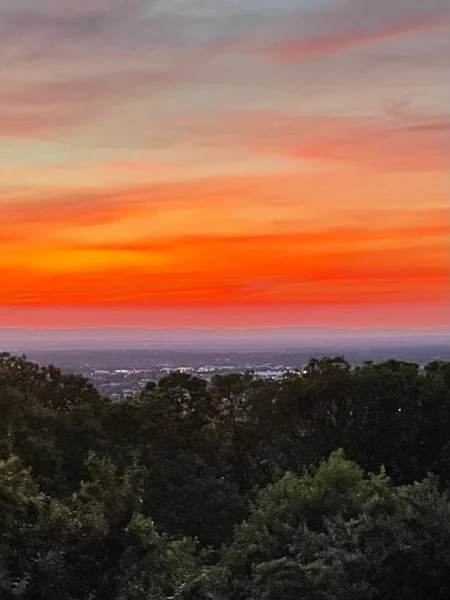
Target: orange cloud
point(378, 265)
point(43, 218)
point(312, 210)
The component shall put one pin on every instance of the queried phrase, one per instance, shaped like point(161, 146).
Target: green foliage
point(337, 535)
point(232, 490)
point(95, 544)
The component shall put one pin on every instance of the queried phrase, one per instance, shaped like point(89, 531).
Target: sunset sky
point(224, 163)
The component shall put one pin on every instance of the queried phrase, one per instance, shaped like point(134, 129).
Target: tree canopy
point(328, 484)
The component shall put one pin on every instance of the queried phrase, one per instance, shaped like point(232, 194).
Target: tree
point(205, 491)
point(50, 420)
point(337, 534)
point(94, 545)
point(245, 421)
point(171, 429)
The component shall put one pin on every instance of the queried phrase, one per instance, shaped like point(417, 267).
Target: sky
point(224, 163)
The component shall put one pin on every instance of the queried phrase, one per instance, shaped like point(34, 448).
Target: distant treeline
point(239, 489)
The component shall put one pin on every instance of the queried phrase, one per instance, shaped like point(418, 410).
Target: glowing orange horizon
point(289, 175)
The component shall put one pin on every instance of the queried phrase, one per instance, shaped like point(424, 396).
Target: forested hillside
point(325, 485)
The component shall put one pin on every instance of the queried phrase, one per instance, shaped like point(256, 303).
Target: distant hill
point(294, 337)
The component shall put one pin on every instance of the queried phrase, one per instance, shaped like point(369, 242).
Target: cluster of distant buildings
point(120, 383)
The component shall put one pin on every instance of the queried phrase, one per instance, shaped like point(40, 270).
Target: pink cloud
point(52, 106)
point(336, 41)
point(401, 141)
point(357, 22)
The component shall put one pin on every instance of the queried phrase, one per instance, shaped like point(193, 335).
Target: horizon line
point(249, 330)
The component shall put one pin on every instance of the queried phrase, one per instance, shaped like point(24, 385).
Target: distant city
point(122, 373)
point(129, 381)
